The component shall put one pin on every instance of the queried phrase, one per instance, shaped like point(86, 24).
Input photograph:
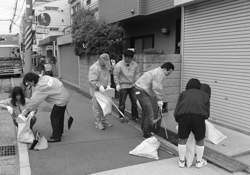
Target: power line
point(20, 11)
point(14, 14)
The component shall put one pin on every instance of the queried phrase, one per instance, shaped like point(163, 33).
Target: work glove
point(101, 89)
point(160, 104)
point(108, 87)
point(118, 87)
point(10, 109)
point(24, 113)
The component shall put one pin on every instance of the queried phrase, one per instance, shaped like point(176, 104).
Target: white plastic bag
point(148, 148)
point(212, 134)
point(190, 151)
point(24, 133)
point(39, 143)
point(104, 102)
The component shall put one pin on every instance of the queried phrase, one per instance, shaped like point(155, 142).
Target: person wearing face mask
point(147, 86)
point(126, 73)
point(99, 80)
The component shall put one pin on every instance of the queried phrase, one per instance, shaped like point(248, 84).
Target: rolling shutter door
point(69, 64)
point(216, 50)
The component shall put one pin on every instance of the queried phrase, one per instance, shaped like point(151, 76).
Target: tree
point(91, 37)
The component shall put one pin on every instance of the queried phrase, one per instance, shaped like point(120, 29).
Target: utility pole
point(28, 37)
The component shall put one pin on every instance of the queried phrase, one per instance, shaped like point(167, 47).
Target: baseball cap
point(106, 59)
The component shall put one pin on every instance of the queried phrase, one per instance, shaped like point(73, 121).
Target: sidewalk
point(85, 155)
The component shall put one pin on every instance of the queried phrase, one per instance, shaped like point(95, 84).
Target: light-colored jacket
point(98, 76)
point(151, 83)
point(49, 89)
point(16, 109)
point(126, 76)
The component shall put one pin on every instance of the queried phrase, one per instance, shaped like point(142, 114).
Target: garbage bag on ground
point(24, 133)
point(39, 143)
point(104, 102)
point(212, 134)
point(148, 148)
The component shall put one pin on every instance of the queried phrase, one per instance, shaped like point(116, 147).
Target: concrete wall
point(146, 62)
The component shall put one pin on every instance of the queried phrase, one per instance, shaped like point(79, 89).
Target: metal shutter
point(216, 50)
point(69, 65)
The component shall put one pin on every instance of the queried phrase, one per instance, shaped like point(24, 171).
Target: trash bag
point(39, 143)
point(212, 134)
point(148, 148)
point(104, 102)
point(24, 133)
point(190, 151)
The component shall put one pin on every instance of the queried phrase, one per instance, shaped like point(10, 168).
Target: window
point(142, 42)
point(51, 8)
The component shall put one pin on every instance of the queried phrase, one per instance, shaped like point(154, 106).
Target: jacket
point(98, 76)
point(49, 89)
point(192, 101)
point(151, 83)
point(126, 76)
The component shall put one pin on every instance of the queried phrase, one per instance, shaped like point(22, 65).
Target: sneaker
point(106, 123)
point(182, 163)
point(200, 164)
point(121, 120)
point(99, 125)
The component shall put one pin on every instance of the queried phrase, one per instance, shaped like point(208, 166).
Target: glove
point(118, 87)
point(108, 87)
point(24, 112)
point(160, 104)
point(10, 109)
point(101, 89)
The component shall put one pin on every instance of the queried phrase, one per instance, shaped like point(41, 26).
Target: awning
point(47, 41)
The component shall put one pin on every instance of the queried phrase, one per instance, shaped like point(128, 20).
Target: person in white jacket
point(51, 90)
point(147, 86)
point(99, 80)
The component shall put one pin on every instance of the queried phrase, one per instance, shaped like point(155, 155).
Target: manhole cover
point(7, 150)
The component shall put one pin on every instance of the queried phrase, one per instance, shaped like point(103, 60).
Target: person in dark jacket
point(192, 109)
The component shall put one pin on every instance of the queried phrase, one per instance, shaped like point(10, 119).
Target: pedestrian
point(48, 69)
point(191, 111)
point(147, 86)
point(52, 91)
point(16, 104)
point(126, 73)
point(41, 65)
point(99, 79)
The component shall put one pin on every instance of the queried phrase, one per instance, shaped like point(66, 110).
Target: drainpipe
point(182, 39)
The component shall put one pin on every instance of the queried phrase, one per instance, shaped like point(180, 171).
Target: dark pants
point(148, 112)
point(122, 100)
point(57, 121)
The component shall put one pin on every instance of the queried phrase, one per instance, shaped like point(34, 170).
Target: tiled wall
point(146, 62)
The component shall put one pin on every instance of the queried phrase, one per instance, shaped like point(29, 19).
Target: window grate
point(7, 150)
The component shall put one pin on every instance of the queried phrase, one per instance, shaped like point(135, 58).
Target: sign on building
point(42, 29)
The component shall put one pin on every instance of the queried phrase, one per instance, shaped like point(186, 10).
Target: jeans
point(148, 113)
point(122, 100)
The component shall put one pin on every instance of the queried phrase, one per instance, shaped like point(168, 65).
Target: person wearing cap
point(147, 86)
point(126, 73)
point(99, 80)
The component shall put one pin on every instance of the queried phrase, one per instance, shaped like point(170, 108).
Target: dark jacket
point(192, 101)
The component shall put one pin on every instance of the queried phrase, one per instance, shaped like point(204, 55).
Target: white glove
point(118, 87)
point(24, 112)
point(108, 87)
point(160, 104)
point(10, 109)
point(101, 89)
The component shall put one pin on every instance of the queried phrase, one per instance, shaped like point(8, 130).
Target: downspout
point(182, 42)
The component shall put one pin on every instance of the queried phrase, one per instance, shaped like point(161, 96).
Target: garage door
point(216, 50)
point(69, 65)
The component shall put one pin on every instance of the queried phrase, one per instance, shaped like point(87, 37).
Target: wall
point(146, 62)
